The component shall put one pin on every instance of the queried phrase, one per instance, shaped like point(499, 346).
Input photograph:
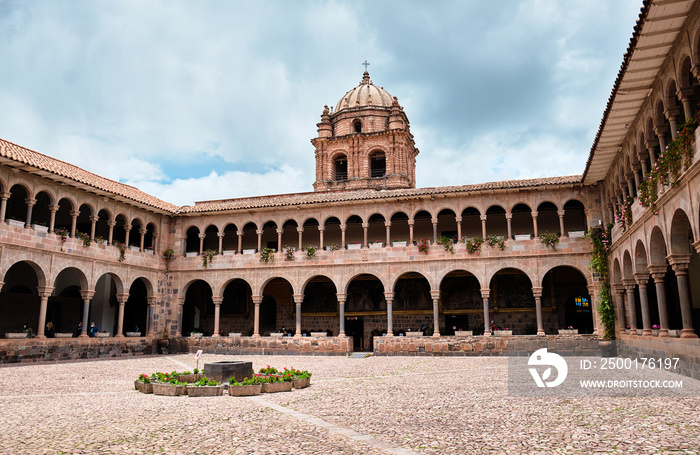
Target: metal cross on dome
point(366, 63)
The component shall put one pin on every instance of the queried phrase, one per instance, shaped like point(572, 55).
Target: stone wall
point(587, 345)
point(55, 349)
point(687, 350)
point(265, 345)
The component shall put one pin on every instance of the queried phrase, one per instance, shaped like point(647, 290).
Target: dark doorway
point(355, 327)
point(268, 315)
point(456, 322)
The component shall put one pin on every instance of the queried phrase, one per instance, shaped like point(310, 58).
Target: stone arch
point(547, 218)
point(616, 272)
point(17, 202)
point(574, 216)
point(657, 247)
point(41, 213)
point(584, 271)
point(332, 235)
point(365, 293)
point(422, 225)
point(230, 242)
point(412, 292)
point(250, 236)
point(119, 231)
point(192, 240)
point(399, 226)
point(211, 237)
point(339, 163)
point(290, 234)
point(627, 269)
point(681, 237)
point(460, 296)
point(510, 264)
point(521, 221)
point(376, 230)
point(320, 296)
point(377, 163)
point(471, 222)
point(565, 288)
point(136, 308)
point(277, 308)
point(354, 232)
point(198, 307)
point(640, 258)
point(447, 224)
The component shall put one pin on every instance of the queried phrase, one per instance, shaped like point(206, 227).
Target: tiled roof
point(60, 168)
point(283, 200)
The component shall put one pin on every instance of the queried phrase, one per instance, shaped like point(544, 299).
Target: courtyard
point(396, 405)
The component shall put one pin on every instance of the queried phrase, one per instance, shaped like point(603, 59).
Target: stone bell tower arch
point(365, 143)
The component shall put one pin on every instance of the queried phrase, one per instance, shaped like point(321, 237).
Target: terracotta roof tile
point(61, 168)
point(283, 200)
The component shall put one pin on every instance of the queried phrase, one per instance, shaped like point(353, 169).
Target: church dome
point(365, 94)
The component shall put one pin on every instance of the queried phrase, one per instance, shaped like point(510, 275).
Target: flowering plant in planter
point(288, 253)
point(267, 255)
point(169, 253)
point(208, 257)
point(495, 240)
point(122, 249)
point(144, 378)
point(423, 245)
point(205, 382)
point(473, 245)
point(84, 237)
point(310, 251)
point(550, 240)
point(447, 243)
point(268, 370)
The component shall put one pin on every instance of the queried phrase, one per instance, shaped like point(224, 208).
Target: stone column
point(240, 241)
point(483, 226)
point(343, 227)
point(487, 322)
point(321, 229)
point(436, 313)
point(127, 229)
point(509, 222)
point(121, 299)
point(217, 315)
point(643, 164)
point(74, 221)
point(622, 318)
point(52, 218)
point(341, 309)
point(93, 225)
point(87, 297)
point(594, 293)
point(387, 225)
point(651, 145)
point(3, 205)
point(635, 174)
point(458, 219)
point(630, 187)
point(365, 229)
point(660, 134)
point(30, 206)
point(220, 250)
point(257, 300)
point(260, 233)
point(44, 294)
point(151, 313)
point(534, 224)
point(142, 240)
point(411, 223)
point(679, 263)
point(156, 245)
point(110, 236)
point(434, 221)
point(300, 231)
point(686, 96)
point(631, 307)
point(671, 115)
point(537, 292)
point(298, 299)
point(389, 297)
point(279, 239)
point(642, 279)
point(562, 231)
point(201, 243)
point(180, 314)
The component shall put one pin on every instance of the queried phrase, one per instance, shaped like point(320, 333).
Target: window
point(357, 126)
point(340, 168)
point(377, 165)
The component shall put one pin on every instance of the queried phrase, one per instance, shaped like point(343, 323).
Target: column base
point(390, 334)
point(688, 333)
point(487, 334)
point(40, 335)
point(540, 333)
point(215, 335)
point(436, 335)
point(341, 335)
point(256, 335)
point(646, 332)
point(83, 335)
point(663, 333)
point(119, 335)
point(297, 335)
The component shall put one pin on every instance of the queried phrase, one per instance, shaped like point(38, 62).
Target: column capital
point(618, 289)
point(257, 299)
point(87, 295)
point(122, 298)
point(341, 297)
point(74, 213)
point(629, 284)
point(561, 213)
point(53, 208)
point(321, 228)
point(111, 223)
point(482, 217)
point(387, 224)
point(485, 293)
point(280, 231)
point(679, 259)
point(458, 219)
point(696, 245)
point(509, 216)
point(298, 298)
point(201, 236)
point(435, 294)
point(151, 301)
point(641, 278)
point(411, 222)
point(94, 218)
point(45, 291)
point(365, 225)
point(218, 234)
point(30, 201)
point(686, 94)
point(259, 231)
point(537, 292)
point(434, 221)
point(300, 229)
point(389, 296)
point(217, 300)
point(5, 195)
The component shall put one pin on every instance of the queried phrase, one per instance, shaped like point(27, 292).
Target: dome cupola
point(365, 94)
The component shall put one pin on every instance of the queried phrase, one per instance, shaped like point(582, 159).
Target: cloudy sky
point(218, 99)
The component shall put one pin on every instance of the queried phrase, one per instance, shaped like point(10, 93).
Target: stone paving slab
point(401, 405)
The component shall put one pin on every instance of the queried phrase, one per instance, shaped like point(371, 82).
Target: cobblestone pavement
point(398, 405)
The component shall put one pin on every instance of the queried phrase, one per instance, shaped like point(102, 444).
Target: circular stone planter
point(205, 391)
point(277, 387)
point(244, 390)
point(301, 383)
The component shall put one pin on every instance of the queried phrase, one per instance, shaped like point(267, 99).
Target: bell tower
point(365, 143)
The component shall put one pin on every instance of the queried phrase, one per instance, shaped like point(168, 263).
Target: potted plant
point(84, 238)
point(473, 246)
point(568, 331)
point(266, 255)
point(189, 377)
point(208, 257)
point(40, 226)
point(495, 240)
point(377, 244)
point(245, 388)
point(520, 236)
point(447, 243)
point(354, 246)
point(550, 240)
point(398, 243)
point(143, 384)
point(301, 379)
point(275, 383)
point(170, 388)
point(423, 245)
point(310, 251)
point(168, 254)
point(205, 388)
point(288, 253)
point(191, 254)
point(503, 332)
